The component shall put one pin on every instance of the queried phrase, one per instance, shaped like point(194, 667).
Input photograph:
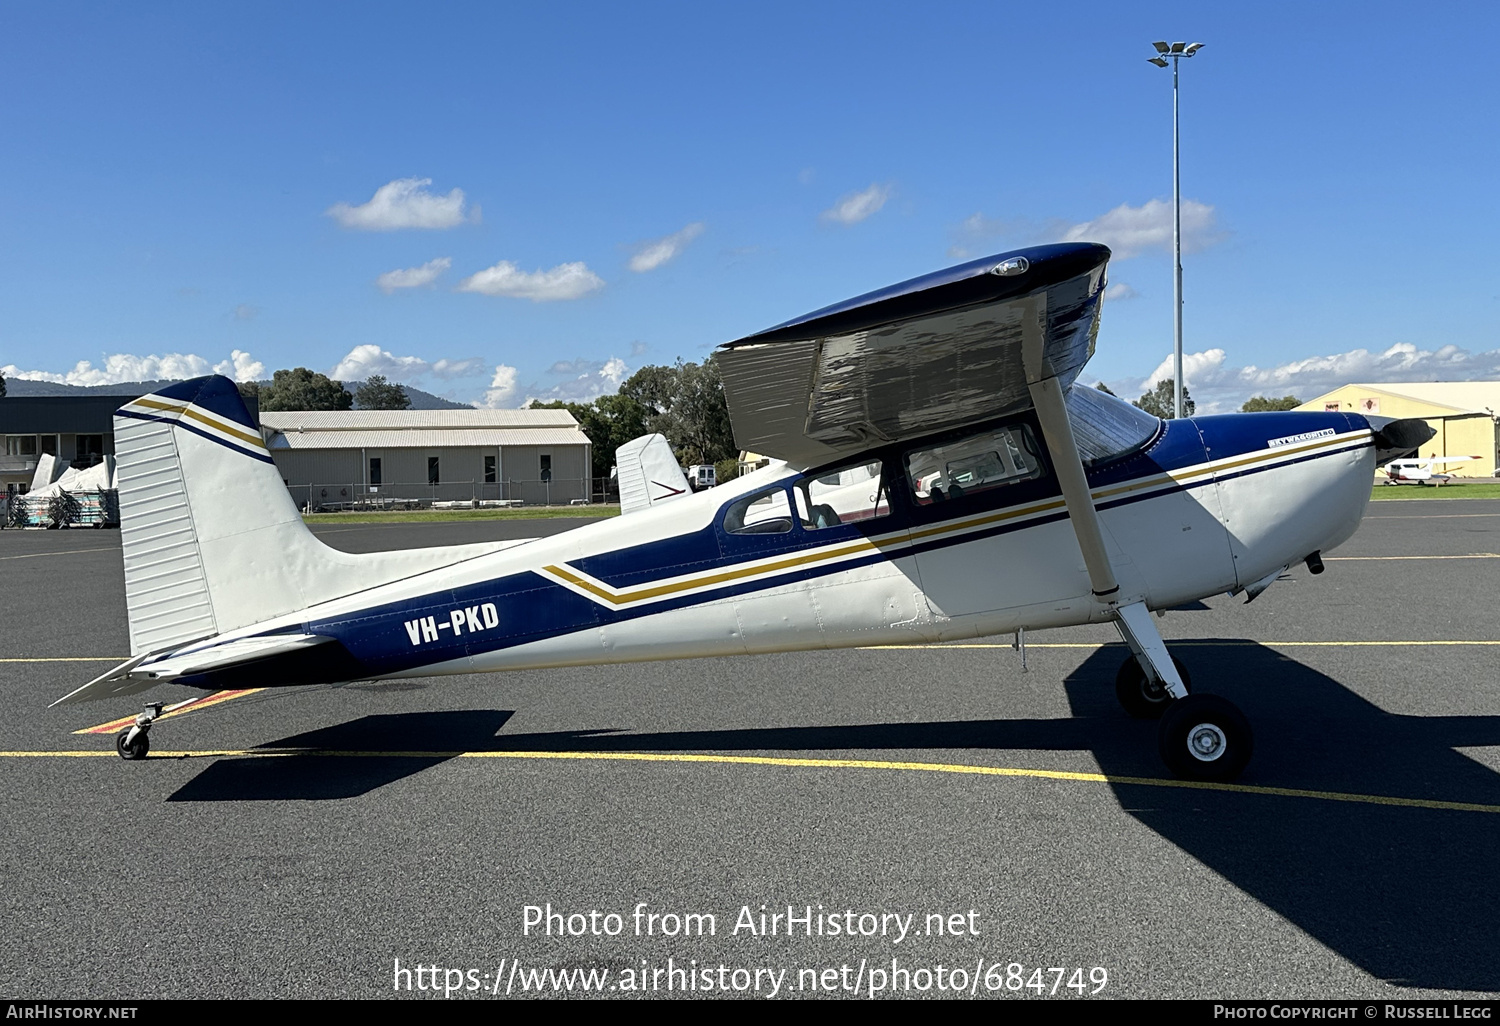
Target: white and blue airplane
point(937, 474)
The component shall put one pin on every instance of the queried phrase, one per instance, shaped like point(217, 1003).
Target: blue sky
point(638, 183)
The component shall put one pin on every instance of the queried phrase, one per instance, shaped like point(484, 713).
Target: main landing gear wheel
point(1205, 737)
point(132, 748)
point(1142, 697)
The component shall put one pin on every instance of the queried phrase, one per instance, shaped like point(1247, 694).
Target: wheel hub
point(1206, 742)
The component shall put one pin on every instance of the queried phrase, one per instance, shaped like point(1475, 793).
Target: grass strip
point(446, 516)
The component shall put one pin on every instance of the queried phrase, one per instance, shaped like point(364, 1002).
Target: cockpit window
point(990, 459)
point(766, 512)
point(1107, 427)
point(843, 496)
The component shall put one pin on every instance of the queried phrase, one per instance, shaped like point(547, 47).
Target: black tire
point(136, 749)
point(1142, 697)
point(1205, 737)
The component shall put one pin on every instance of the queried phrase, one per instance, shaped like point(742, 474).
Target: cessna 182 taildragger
point(937, 474)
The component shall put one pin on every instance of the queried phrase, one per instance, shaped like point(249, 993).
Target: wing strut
point(1133, 618)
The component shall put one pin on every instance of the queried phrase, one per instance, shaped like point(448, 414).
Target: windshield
point(1107, 427)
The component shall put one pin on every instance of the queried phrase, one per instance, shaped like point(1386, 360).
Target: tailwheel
point(132, 747)
point(133, 742)
point(1142, 697)
point(1205, 737)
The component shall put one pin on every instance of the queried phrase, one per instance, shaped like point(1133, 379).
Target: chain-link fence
point(344, 496)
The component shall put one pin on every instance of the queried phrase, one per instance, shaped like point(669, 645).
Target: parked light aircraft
point(1421, 471)
point(936, 474)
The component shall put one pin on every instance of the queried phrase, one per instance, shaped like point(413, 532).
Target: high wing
point(936, 352)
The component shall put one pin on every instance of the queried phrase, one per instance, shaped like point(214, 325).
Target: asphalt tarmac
point(1023, 814)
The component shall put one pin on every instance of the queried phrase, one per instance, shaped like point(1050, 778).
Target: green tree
point(302, 389)
point(699, 416)
point(609, 421)
point(1101, 386)
point(2, 386)
point(378, 394)
point(1159, 401)
point(1261, 404)
point(686, 404)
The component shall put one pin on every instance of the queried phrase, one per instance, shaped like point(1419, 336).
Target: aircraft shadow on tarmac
point(1410, 895)
point(317, 778)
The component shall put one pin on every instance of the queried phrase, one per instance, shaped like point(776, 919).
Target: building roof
point(398, 420)
point(418, 429)
point(1458, 396)
point(426, 438)
point(66, 414)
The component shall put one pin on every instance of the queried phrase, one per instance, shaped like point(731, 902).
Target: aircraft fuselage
point(1211, 505)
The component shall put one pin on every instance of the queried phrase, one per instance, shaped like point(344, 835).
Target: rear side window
point(843, 496)
point(767, 512)
point(979, 463)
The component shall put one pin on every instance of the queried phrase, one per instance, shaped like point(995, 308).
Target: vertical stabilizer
point(648, 473)
point(212, 539)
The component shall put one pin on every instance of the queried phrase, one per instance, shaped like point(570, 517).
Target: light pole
point(1175, 51)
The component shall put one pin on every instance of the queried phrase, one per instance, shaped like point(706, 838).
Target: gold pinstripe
point(621, 597)
point(188, 411)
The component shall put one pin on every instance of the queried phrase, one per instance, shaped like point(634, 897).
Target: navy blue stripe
point(182, 423)
point(214, 393)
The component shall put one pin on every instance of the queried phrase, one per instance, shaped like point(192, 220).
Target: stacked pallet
point(44, 511)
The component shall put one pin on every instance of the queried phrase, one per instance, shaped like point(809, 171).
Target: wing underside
point(934, 353)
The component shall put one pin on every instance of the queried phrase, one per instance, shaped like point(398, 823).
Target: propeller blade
point(1397, 438)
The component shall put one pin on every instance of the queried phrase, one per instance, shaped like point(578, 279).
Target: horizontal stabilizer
point(141, 673)
point(648, 474)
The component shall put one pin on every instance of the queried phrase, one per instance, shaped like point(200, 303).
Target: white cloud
point(450, 369)
point(413, 277)
point(241, 367)
point(245, 312)
point(587, 380)
point(1119, 292)
point(1225, 387)
point(857, 206)
point(362, 361)
point(638, 347)
point(502, 389)
point(1130, 231)
point(404, 203)
point(123, 367)
point(565, 281)
point(651, 255)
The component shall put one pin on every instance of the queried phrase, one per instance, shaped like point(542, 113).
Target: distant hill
point(18, 387)
point(420, 400)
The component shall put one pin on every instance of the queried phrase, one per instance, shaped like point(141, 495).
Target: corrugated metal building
point(343, 457)
point(1462, 413)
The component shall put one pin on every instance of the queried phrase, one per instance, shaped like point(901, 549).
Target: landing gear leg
point(133, 742)
point(1201, 737)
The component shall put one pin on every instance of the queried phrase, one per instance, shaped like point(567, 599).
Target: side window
point(843, 496)
point(766, 512)
point(978, 463)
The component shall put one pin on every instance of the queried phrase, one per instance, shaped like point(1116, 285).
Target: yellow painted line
point(68, 659)
point(68, 552)
point(1188, 642)
point(190, 705)
point(1431, 516)
point(801, 763)
point(1352, 559)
